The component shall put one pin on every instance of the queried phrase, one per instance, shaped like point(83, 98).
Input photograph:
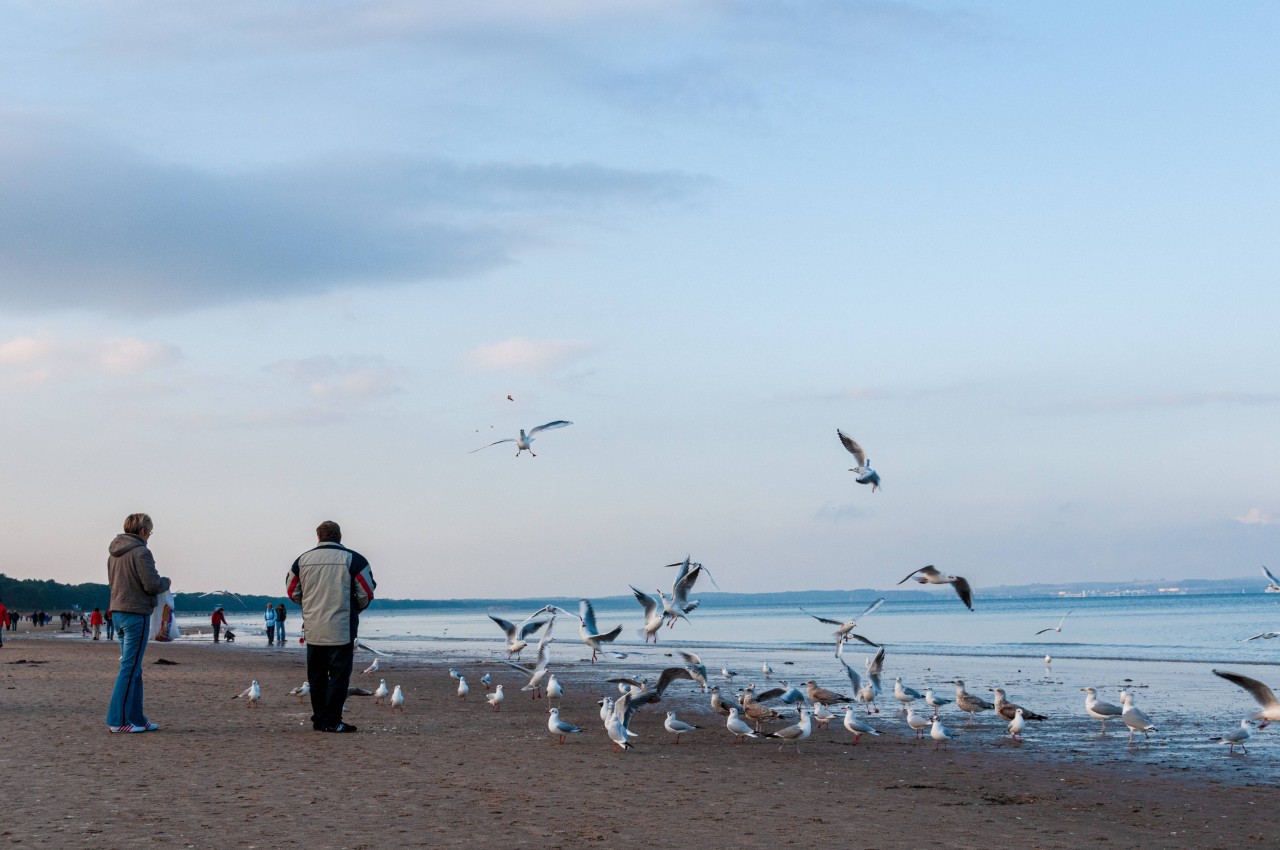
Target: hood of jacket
point(124, 543)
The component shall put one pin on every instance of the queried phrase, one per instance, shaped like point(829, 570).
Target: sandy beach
point(452, 773)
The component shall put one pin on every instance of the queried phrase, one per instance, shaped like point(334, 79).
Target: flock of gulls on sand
point(746, 713)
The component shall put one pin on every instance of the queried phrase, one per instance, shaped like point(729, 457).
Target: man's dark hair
point(328, 532)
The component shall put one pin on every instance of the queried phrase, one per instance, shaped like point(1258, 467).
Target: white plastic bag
point(163, 625)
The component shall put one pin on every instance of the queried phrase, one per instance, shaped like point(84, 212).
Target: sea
point(1161, 647)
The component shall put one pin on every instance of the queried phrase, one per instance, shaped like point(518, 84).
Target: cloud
point(1163, 401)
point(333, 379)
point(88, 224)
point(526, 355)
point(1257, 516)
point(32, 361)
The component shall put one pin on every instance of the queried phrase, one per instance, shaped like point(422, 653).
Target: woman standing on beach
point(131, 572)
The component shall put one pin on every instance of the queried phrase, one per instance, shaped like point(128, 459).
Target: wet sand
point(452, 773)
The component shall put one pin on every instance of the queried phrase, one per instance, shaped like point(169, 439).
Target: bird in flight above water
point(931, 575)
point(863, 473)
point(525, 440)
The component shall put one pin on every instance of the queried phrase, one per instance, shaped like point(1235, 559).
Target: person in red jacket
point(218, 620)
point(96, 620)
point(4, 614)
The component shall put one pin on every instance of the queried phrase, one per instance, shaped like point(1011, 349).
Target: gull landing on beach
point(525, 440)
point(863, 473)
point(1265, 697)
point(932, 575)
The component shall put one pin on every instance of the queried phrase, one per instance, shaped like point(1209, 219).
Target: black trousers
point(329, 672)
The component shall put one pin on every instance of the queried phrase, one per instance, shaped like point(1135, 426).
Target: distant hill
point(47, 595)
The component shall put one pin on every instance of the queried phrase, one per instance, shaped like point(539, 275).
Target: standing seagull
point(526, 437)
point(253, 693)
point(495, 698)
point(397, 699)
point(795, 734)
point(556, 726)
point(381, 692)
point(1237, 737)
point(856, 726)
point(863, 473)
point(374, 667)
point(940, 733)
point(1270, 705)
point(969, 703)
point(1133, 717)
point(677, 727)
point(1016, 725)
point(1100, 710)
point(463, 688)
point(931, 575)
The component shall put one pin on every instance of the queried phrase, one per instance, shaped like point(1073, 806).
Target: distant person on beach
point(218, 620)
point(333, 584)
point(84, 626)
point(4, 612)
point(280, 616)
point(96, 620)
point(270, 617)
point(131, 572)
point(111, 626)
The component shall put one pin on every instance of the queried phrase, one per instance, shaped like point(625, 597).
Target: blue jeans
point(126, 697)
point(279, 632)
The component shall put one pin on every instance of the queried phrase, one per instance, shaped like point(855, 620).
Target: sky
point(263, 265)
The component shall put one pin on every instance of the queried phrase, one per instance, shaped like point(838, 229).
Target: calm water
point(1162, 648)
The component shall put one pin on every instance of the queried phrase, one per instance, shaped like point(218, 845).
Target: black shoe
point(319, 727)
point(341, 727)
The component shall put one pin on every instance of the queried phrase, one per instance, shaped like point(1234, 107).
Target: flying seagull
point(1057, 628)
point(1274, 586)
point(931, 575)
point(845, 628)
point(524, 441)
point(1265, 697)
point(863, 473)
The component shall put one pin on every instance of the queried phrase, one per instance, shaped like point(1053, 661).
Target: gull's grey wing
point(494, 443)
point(362, 645)
point(587, 615)
point(871, 608)
point(650, 604)
point(928, 571)
point(506, 625)
point(867, 641)
point(670, 675)
point(876, 667)
point(772, 693)
point(1264, 636)
point(528, 627)
point(853, 447)
point(528, 671)
point(822, 619)
point(1271, 576)
point(1256, 689)
point(559, 423)
point(854, 679)
point(964, 592)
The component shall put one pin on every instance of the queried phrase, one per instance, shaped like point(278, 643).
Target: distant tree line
point(31, 594)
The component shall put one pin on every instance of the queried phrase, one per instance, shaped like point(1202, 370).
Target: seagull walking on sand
point(795, 734)
point(766, 669)
point(940, 733)
point(857, 726)
point(556, 726)
point(903, 694)
point(1008, 710)
point(931, 575)
point(1265, 697)
point(862, 473)
point(252, 694)
point(1100, 710)
point(524, 442)
point(463, 688)
point(934, 702)
point(917, 722)
point(374, 667)
point(495, 698)
point(740, 728)
point(554, 689)
point(676, 726)
point(397, 699)
point(380, 693)
point(1237, 737)
point(301, 691)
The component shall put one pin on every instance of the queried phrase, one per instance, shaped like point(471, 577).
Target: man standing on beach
point(134, 581)
point(280, 618)
point(4, 612)
point(217, 620)
point(333, 584)
point(270, 618)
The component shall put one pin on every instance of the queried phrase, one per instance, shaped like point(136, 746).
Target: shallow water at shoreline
point(1162, 649)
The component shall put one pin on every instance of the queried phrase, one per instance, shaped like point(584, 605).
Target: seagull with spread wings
point(591, 634)
point(516, 635)
point(1265, 696)
point(1057, 628)
point(525, 440)
point(863, 473)
point(932, 575)
point(845, 629)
